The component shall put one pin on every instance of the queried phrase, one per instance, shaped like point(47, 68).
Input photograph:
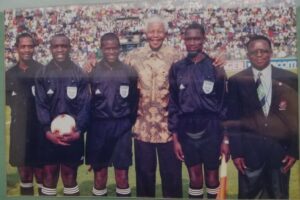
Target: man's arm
point(292, 121)
point(222, 91)
point(173, 104)
point(233, 119)
point(42, 105)
point(83, 99)
point(232, 125)
point(134, 95)
point(8, 90)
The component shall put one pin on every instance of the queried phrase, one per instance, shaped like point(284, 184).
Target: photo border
point(27, 4)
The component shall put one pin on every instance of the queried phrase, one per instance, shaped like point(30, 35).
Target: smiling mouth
point(156, 41)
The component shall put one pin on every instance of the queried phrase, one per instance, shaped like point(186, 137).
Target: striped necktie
point(261, 94)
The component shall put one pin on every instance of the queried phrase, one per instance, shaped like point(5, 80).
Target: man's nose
point(28, 48)
point(259, 53)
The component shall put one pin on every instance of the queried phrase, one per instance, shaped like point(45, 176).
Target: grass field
point(85, 178)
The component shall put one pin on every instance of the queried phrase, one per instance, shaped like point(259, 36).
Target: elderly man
point(151, 136)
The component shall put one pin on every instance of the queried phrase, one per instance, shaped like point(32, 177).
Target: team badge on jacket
point(282, 105)
point(207, 86)
point(124, 91)
point(33, 90)
point(72, 92)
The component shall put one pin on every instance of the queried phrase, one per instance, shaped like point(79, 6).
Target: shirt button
point(266, 125)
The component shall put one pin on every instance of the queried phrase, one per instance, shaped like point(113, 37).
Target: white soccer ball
point(63, 124)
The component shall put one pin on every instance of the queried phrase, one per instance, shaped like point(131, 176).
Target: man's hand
point(225, 149)
point(56, 138)
point(177, 148)
point(70, 137)
point(288, 162)
point(240, 164)
point(89, 65)
point(219, 58)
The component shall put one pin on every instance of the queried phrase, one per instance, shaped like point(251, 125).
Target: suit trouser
point(145, 166)
point(264, 183)
point(263, 177)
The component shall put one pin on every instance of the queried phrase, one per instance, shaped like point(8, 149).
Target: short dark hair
point(253, 38)
point(109, 36)
point(25, 35)
point(195, 25)
point(60, 35)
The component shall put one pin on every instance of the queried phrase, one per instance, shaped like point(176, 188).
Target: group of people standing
point(177, 108)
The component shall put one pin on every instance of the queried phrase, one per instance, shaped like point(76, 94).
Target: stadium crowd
point(226, 27)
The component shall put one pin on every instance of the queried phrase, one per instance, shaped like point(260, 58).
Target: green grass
point(85, 178)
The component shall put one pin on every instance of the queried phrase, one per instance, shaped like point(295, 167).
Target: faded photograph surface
point(172, 85)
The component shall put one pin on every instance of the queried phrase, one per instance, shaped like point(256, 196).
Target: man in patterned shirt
point(152, 63)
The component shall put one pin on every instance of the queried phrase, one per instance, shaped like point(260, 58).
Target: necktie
point(261, 94)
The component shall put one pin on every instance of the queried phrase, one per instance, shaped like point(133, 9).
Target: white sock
point(195, 192)
point(49, 191)
point(212, 191)
point(99, 192)
point(26, 185)
point(125, 191)
point(70, 191)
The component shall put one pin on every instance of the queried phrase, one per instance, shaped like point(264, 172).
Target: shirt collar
point(189, 60)
point(159, 54)
point(107, 66)
point(265, 72)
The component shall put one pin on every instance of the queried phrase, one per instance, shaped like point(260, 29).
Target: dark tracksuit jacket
point(24, 127)
point(197, 92)
point(63, 91)
point(114, 103)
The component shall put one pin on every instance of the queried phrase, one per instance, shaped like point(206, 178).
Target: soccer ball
point(63, 124)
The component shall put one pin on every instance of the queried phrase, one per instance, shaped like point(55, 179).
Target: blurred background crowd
point(226, 26)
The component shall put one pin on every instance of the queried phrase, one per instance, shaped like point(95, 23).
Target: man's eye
point(28, 46)
point(260, 51)
point(61, 46)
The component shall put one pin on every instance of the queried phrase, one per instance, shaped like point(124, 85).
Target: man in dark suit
point(263, 124)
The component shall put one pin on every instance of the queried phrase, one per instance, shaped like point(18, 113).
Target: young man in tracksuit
point(62, 88)
point(113, 113)
point(196, 109)
point(24, 128)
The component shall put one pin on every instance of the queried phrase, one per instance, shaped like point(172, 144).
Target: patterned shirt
point(153, 69)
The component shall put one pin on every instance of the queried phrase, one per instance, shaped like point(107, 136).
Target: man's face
point(110, 50)
point(25, 49)
point(60, 48)
point(156, 35)
point(259, 54)
point(194, 40)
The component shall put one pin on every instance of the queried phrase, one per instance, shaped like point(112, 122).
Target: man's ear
point(182, 36)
